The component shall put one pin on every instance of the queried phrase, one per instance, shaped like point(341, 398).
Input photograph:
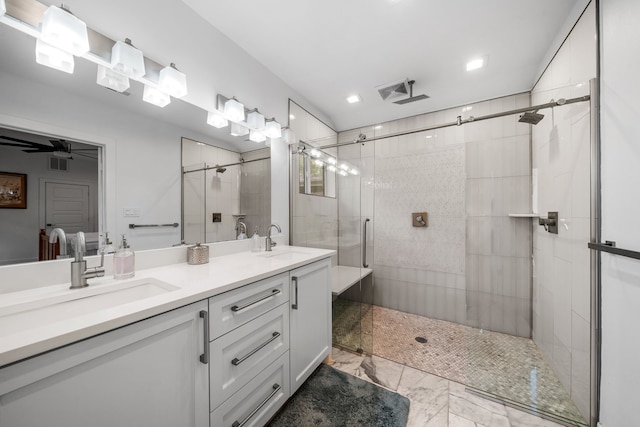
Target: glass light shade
point(111, 79)
point(289, 136)
point(53, 57)
point(238, 130)
point(257, 136)
point(63, 30)
point(215, 119)
point(233, 111)
point(255, 120)
point(127, 60)
point(272, 129)
point(173, 82)
point(155, 96)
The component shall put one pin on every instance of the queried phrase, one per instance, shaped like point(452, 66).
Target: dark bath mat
point(330, 398)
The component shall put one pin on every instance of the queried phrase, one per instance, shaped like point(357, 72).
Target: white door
point(67, 207)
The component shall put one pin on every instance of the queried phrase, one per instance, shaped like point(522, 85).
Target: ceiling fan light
point(257, 136)
point(238, 130)
point(112, 79)
point(173, 81)
point(53, 57)
point(256, 121)
point(233, 110)
point(272, 129)
point(215, 119)
point(155, 96)
point(64, 31)
point(127, 60)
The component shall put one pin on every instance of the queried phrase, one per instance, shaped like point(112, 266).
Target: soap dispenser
point(124, 261)
point(255, 241)
point(108, 246)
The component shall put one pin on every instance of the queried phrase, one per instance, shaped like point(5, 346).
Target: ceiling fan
point(58, 147)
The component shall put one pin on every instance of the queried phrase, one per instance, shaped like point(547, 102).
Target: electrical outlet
point(217, 217)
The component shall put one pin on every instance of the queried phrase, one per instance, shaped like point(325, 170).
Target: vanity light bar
point(250, 120)
point(26, 16)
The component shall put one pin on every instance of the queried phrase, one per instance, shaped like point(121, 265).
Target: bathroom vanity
point(224, 343)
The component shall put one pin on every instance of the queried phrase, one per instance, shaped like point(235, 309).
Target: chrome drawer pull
point(276, 389)
point(204, 358)
point(295, 282)
point(236, 361)
point(237, 308)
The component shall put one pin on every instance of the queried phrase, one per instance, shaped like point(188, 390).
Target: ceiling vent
point(393, 90)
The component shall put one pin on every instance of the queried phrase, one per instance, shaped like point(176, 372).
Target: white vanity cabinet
point(310, 319)
point(145, 374)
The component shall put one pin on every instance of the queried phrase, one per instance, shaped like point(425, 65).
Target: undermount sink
point(69, 303)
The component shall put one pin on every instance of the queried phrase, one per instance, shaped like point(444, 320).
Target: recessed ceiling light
point(353, 99)
point(475, 64)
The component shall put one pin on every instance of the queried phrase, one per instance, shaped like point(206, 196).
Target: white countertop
point(194, 283)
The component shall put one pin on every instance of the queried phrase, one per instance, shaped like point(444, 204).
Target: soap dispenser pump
point(255, 241)
point(124, 261)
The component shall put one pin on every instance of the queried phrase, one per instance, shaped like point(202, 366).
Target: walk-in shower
point(463, 283)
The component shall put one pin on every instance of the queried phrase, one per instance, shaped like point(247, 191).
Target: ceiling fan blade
point(40, 150)
point(27, 143)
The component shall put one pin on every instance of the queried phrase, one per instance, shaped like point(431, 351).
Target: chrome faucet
point(79, 271)
point(269, 243)
point(58, 234)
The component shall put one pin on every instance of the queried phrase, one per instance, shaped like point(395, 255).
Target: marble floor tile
point(429, 396)
point(346, 361)
point(380, 371)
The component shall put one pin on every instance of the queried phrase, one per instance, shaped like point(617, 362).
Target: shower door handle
point(364, 243)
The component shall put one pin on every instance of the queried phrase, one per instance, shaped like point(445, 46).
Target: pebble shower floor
point(507, 367)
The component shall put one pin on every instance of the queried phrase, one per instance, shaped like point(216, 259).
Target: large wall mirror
point(136, 174)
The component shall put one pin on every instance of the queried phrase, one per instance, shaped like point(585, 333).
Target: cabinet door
point(310, 319)
point(145, 374)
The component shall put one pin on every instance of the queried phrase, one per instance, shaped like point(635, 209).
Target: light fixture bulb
point(331, 161)
point(475, 64)
point(233, 110)
point(331, 168)
point(257, 136)
point(238, 130)
point(273, 129)
point(112, 79)
point(173, 81)
point(53, 57)
point(289, 136)
point(127, 60)
point(342, 173)
point(215, 119)
point(63, 30)
point(344, 166)
point(256, 121)
point(155, 96)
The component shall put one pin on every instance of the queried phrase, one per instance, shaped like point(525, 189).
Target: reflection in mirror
point(226, 195)
point(60, 190)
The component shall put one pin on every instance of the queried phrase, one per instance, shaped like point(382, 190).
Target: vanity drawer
point(243, 353)
point(255, 403)
point(231, 309)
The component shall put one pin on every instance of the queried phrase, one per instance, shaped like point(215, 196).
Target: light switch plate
point(131, 212)
point(420, 219)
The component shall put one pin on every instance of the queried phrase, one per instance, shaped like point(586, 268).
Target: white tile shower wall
point(254, 190)
point(472, 264)
point(561, 304)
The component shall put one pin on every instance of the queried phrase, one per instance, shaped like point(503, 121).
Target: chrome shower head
point(411, 98)
point(531, 117)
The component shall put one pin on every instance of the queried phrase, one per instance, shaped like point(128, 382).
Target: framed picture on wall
point(13, 190)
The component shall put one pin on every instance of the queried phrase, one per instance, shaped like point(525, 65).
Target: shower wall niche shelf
point(524, 215)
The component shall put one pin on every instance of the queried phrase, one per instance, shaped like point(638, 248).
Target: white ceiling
point(326, 50)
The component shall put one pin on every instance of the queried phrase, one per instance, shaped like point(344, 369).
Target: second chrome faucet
point(269, 244)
